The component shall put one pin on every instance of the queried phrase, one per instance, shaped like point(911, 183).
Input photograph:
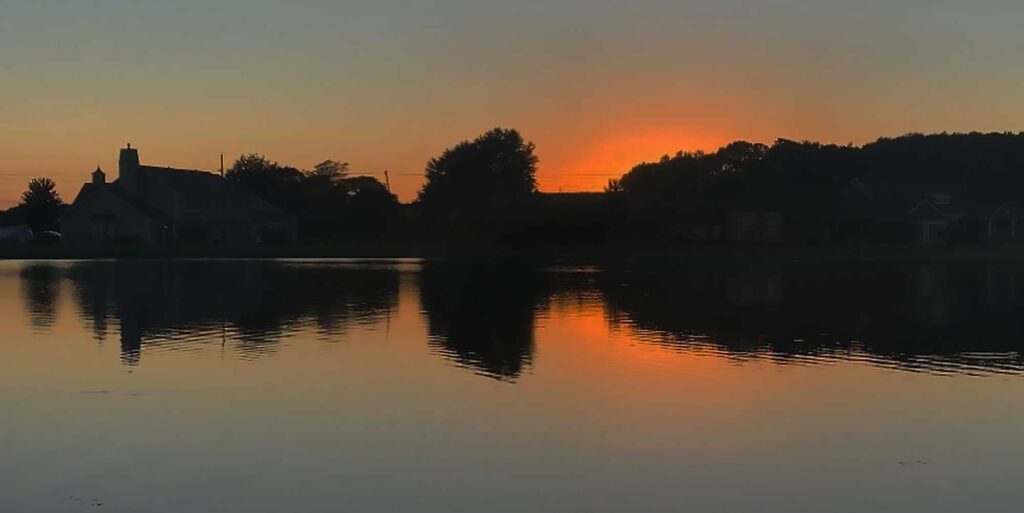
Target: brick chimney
point(128, 169)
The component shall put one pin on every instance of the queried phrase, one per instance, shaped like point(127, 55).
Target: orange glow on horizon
point(612, 156)
point(586, 165)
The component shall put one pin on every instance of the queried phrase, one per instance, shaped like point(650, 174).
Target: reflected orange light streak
point(582, 327)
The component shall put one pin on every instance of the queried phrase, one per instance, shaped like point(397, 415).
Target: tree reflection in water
point(252, 304)
point(482, 316)
point(930, 317)
point(964, 318)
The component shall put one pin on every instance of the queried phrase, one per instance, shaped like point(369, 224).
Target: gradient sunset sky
point(597, 85)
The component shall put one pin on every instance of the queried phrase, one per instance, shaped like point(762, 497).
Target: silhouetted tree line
point(810, 183)
point(484, 192)
point(326, 200)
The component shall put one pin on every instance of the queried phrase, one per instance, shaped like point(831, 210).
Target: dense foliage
point(809, 182)
point(485, 191)
point(40, 207)
point(326, 200)
point(482, 184)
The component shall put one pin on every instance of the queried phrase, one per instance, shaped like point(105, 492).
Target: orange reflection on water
point(364, 410)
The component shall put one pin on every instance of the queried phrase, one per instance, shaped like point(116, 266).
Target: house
point(154, 205)
point(933, 217)
point(925, 214)
point(939, 217)
point(999, 223)
point(754, 227)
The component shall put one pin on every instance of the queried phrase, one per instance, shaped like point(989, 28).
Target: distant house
point(928, 214)
point(754, 227)
point(941, 217)
point(152, 205)
point(1000, 223)
point(933, 217)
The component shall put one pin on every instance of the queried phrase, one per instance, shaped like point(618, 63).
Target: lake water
point(259, 386)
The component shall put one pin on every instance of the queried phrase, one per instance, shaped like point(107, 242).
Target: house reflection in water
point(253, 304)
point(483, 317)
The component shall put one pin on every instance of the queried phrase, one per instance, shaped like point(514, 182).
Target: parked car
point(16, 234)
point(46, 237)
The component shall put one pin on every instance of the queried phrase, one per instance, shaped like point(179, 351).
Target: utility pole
point(387, 181)
point(222, 165)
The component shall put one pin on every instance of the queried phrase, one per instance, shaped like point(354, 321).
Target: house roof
point(140, 205)
point(926, 209)
point(184, 180)
point(160, 187)
point(190, 182)
point(870, 200)
point(1003, 211)
point(885, 200)
point(90, 191)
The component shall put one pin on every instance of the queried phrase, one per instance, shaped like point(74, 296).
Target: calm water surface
point(404, 386)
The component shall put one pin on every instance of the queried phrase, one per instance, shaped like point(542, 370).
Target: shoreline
point(599, 255)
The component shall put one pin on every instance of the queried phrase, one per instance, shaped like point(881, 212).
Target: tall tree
point(278, 185)
point(41, 205)
point(480, 181)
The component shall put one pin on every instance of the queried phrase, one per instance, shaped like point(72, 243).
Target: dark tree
point(325, 200)
point(370, 208)
point(11, 216)
point(825, 192)
point(330, 169)
point(357, 205)
point(480, 182)
point(274, 183)
point(41, 205)
point(251, 164)
point(614, 186)
point(365, 196)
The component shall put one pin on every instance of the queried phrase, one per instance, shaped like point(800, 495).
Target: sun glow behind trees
point(598, 86)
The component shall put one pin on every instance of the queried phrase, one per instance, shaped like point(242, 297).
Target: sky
point(598, 85)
